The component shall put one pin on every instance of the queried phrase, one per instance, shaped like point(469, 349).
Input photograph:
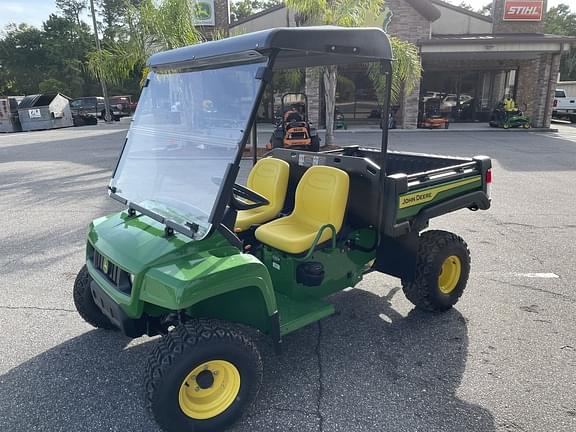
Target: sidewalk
point(454, 127)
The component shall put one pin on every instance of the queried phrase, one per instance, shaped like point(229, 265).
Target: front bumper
point(130, 327)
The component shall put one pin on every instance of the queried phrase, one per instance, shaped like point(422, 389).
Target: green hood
point(136, 243)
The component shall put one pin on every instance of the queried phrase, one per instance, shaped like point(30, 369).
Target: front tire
point(202, 376)
point(84, 302)
point(443, 267)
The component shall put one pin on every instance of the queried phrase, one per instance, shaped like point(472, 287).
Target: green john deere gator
point(197, 257)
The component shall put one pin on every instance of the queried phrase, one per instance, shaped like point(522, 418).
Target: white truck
point(564, 106)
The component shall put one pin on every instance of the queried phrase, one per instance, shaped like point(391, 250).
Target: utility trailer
point(197, 257)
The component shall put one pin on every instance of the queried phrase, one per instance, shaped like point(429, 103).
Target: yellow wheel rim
point(449, 274)
point(209, 389)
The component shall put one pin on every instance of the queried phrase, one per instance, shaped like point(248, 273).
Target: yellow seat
point(269, 178)
point(321, 198)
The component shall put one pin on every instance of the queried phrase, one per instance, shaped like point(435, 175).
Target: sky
point(36, 11)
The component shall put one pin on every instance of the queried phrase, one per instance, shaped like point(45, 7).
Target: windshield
point(185, 132)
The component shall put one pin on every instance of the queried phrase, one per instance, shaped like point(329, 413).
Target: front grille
point(115, 274)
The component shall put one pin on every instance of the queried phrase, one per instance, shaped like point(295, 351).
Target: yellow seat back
point(269, 178)
point(321, 197)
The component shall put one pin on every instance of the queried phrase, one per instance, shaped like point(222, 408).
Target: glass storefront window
point(465, 96)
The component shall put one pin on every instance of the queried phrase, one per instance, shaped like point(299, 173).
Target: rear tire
point(84, 302)
point(315, 144)
point(182, 400)
point(442, 270)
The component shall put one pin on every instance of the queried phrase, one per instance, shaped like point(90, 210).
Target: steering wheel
point(241, 196)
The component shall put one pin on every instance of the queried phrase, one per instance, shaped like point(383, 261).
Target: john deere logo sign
point(203, 12)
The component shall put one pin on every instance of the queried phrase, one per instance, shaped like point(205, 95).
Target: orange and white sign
point(523, 10)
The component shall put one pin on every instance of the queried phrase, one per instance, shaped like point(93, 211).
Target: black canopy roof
point(296, 47)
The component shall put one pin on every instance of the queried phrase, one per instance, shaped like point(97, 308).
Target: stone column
point(410, 120)
point(312, 91)
point(221, 16)
point(552, 78)
point(536, 85)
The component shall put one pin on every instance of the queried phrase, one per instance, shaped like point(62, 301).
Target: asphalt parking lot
point(503, 360)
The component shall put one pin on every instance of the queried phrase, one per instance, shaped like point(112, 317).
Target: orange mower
point(433, 118)
point(293, 129)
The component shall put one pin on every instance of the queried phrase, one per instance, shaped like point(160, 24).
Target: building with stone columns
point(470, 61)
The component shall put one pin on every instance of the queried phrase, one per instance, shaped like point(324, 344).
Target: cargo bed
point(416, 186)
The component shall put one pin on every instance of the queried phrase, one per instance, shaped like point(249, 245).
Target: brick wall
point(501, 26)
point(221, 15)
point(409, 25)
point(406, 22)
point(537, 82)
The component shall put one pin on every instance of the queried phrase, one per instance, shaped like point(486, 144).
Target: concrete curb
point(475, 130)
point(395, 131)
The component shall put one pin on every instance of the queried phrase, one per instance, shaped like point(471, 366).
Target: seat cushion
point(321, 198)
point(269, 178)
point(246, 218)
point(290, 235)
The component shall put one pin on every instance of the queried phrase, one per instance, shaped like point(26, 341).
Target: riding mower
point(507, 119)
point(200, 258)
point(433, 118)
point(293, 129)
point(339, 120)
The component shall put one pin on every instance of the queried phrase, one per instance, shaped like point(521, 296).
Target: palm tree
point(152, 27)
point(406, 71)
point(355, 13)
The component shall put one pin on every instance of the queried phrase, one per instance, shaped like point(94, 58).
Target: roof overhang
point(496, 45)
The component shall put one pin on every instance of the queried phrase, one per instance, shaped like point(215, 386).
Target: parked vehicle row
point(49, 111)
point(87, 110)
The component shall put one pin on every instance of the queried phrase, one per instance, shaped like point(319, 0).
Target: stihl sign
point(523, 10)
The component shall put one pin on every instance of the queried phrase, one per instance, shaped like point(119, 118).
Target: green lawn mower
point(198, 257)
point(502, 118)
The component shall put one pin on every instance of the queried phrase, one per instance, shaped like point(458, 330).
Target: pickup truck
point(564, 106)
point(87, 110)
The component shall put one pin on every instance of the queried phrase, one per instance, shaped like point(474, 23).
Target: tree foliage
point(52, 57)
point(244, 8)
point(72, 9)
point(485, 10)
point(406, 71)
point(561, 20)
point(151, 27)
point(52, 85)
